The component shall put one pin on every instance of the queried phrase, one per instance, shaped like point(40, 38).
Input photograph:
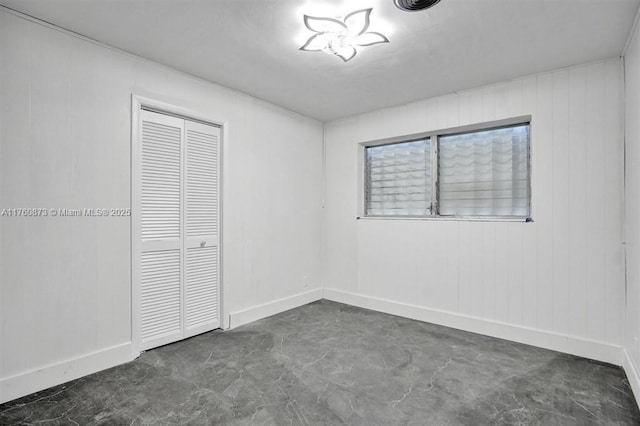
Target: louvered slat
point(160, 293)
point(201, 182)
point(160, 181)
point(201, 280)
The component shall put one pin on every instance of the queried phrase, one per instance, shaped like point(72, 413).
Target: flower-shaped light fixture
point(341, 37)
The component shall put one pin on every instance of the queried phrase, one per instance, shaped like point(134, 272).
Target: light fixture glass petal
point(346, 53)
point(324, 25)
point(368, 39)
point(357, 22)
point(318, 42)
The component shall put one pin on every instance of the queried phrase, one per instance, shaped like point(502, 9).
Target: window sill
point(452, 218)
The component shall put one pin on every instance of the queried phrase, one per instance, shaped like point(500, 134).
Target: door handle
point(203, 243)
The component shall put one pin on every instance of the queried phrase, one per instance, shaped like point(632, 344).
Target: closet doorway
point(175, 228)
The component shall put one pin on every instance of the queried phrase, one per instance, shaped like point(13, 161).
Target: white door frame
point(139, 102)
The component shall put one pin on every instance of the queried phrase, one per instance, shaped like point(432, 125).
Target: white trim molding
point(41, 378)
point(599, 351)
point(255, 313)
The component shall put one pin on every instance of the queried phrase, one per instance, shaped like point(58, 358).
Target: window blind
point(398, 179)
point(485, 173)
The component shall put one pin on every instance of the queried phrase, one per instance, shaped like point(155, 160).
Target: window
point(399, 179)
point(482, 172)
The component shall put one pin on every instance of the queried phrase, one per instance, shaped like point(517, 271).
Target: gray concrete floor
point(328, 363)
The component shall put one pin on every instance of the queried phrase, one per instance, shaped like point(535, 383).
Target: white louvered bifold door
point(176, 215)
point(201, 228)
point(161, 246)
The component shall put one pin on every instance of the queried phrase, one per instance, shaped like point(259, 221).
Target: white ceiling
point(252, 45)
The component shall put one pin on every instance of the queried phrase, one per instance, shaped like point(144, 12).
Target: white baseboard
point(632, 374)
point(41, 378)
point(254, 313)
point(600, 351)
point(38, 379)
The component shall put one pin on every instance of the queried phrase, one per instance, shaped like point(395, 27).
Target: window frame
point(435, 146)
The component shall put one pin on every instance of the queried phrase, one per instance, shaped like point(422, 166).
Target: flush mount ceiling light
point(415, 5)
point(341, 37)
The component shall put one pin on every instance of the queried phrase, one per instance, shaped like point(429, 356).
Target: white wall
point(557, 282)
point(65, 143)
point(632, 207)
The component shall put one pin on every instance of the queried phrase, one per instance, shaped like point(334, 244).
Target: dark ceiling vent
point(414, 5)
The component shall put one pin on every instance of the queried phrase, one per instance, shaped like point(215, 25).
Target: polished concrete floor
point(328, 363)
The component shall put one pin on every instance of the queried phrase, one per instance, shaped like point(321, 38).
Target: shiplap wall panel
point(614, 181)
point(15, 83)
point(489, 102)
point(426, 288)
point(488, 261)
point(475, 281)
point(516, 94)
point(503, 103)
point(49, 180)
point(504, 295)
point(512, 263)
point(595, 213)
point(542, 200)
point(577, 208)
point(83, 114)
point(446, 243)
point(560, 200)
point(112, 188)
point(464, 114)
point(561, 273)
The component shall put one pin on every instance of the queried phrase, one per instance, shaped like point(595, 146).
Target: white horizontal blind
point(485, 173)
point(398, 179)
